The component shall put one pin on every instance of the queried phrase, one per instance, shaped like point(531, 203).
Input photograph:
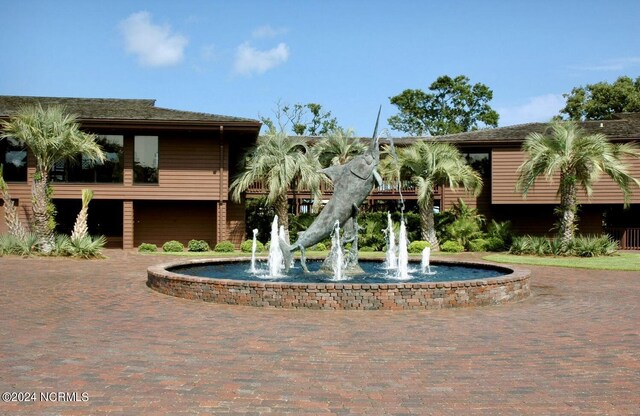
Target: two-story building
point(166, 174)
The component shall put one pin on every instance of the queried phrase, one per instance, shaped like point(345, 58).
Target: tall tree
point(429, 164)
point(453, 105)
point(281, 162)
point(337, 147)
point(302, 119)
point(601, 100)
point(579, 160)
point(51, 135)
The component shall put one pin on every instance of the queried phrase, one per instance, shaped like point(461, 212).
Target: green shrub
point(501, 230)
point(88, 247)
point(247, 246)
point(417, 246)
point(267, 246)
point(495, 244)
point(479, 244)
point(367, 249)
point(197, 246)
point(451, 247)
point(464, 230)
point(319, 247)
point(25, 247)
point(592, 246)
point(7, 244)
point(583, 246)
point(224, 247)
point(173, 246)
point(147, 248)
point(62, 246)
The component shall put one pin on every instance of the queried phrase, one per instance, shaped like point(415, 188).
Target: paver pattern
point(94, 327)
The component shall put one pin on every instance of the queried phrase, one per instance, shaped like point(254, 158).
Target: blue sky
point(240, 57)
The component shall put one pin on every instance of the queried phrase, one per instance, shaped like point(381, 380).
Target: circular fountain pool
point(454, 284)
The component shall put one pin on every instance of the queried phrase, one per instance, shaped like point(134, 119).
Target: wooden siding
point(160, 221)
point(504, 166)
point(189, 169)
point(236, 223)
point(128, 225)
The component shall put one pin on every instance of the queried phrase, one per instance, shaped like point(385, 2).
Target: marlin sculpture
point(352, 183)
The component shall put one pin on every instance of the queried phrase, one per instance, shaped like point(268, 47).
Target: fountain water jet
point(425, 265)
point(253, 252)
point(391, 261)
point(275, 261)
point(336, 254)
point(403, 253)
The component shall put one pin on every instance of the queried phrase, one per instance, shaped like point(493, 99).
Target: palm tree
point(80, 228)
point(338, 147)
point(51, 135)
point(281, 162)
point(14, 225)
point(579, 160)
point(429, 164)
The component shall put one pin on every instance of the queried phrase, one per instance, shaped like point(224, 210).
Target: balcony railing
point(629, 238)
point(408, 190)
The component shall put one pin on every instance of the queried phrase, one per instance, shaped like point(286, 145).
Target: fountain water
point(391, 262)
point(253, 252)
point(336, 253)
point(403, 253)
point(425, 265)
point(276, 259)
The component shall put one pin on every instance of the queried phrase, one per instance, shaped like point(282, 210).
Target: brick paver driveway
point(93, 331)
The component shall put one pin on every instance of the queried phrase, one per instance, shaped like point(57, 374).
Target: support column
point(222, 230)
point(127, 225)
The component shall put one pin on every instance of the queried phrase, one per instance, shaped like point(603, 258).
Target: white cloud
point(537, 109)
point(267, 31)
point(154, 45)
point(250, 60)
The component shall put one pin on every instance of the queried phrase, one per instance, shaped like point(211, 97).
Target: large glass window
point(85, 170)
point(13, 157)
point(145, 166)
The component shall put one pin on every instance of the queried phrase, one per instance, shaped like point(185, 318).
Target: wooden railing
point(408, 189)
point(629, 238)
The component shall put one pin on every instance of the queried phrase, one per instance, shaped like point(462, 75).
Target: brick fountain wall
point(513, 286)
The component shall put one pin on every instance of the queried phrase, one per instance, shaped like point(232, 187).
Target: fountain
point(344, 282)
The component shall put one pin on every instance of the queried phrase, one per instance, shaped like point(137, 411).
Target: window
point(145, 165)
point(85, 170)
point(13, 157)
point(479, 162)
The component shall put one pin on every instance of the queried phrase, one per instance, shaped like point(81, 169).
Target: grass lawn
point(619, 261)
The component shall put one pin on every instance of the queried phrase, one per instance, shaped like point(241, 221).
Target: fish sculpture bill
point(352, 184)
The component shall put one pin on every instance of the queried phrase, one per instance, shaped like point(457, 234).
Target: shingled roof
point(116, 109)
point(621, 126)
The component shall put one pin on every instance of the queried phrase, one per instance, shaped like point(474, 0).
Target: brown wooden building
point(166, 175)
point(603, 212)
